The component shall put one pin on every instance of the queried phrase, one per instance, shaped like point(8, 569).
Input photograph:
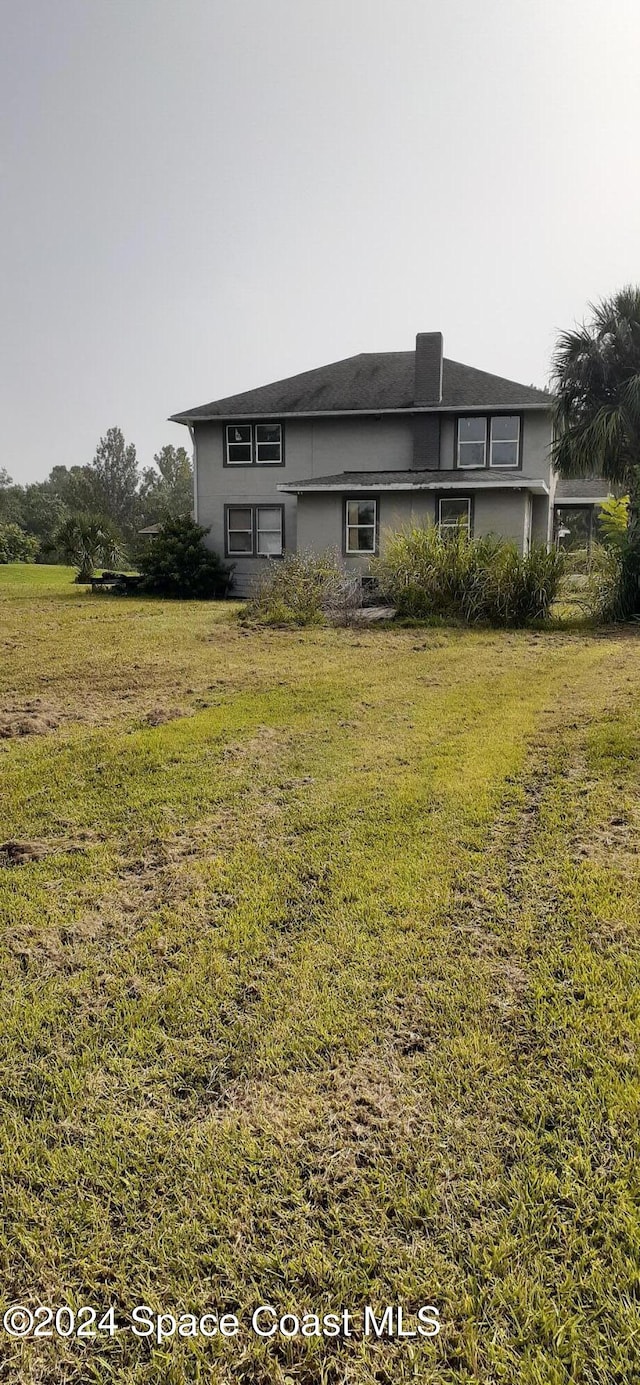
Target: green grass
point(319, 989)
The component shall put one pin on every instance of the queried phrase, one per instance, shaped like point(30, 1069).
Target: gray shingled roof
point(591, 488)
point(369, 383)
point(417, 479)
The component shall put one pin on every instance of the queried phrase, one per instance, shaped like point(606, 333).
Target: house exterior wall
point(326, 446)
point(321, 521)
point(312, 447)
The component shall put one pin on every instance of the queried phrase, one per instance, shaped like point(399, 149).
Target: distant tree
point(10, 499)
point(596, 379)
point(167, 489)
point(16, 546)
point(115, 471)
point(76, 487)
point(87, 541)
point(107, 486)
point(43, 513)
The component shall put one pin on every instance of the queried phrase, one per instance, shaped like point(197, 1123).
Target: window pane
point(268, 432)
point(240, 543)
point(505, 428)
point(269, 530)
point(504, 454)
point(269, 545)
point(361, 511)
point(472, 429)
point(268, 452)
point(239, 450)
point(471, 454)
point(360, 540)
point(239, 519)
point(454, 511)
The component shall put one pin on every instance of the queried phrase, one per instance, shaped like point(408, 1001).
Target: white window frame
point(448, 524)
point(258, 444)
point(254, 530)
point(504, 466)
point(245, 552)
point(230, 442)
point(360, 500)
point(279, 530)
point(254, 444)
point(471, 466)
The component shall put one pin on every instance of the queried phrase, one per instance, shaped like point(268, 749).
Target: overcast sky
point(201, 196)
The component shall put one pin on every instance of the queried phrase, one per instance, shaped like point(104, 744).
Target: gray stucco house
point(338, 456)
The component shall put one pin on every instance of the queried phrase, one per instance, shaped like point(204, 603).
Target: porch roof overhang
point(564, 502)
point(377, 481)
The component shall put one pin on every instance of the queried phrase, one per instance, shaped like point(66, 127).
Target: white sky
point(202, 196)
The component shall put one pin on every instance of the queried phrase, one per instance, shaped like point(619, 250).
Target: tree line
point(112, 489)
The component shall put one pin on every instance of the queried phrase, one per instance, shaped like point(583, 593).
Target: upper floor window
point(360, 522)
point(254, 444)
point(493, 441)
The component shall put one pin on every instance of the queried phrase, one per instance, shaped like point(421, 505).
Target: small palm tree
point(596, 381)
point(87, 541)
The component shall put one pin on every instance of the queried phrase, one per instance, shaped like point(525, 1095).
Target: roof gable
point(373, 382)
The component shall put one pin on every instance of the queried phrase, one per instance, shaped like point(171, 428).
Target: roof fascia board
point(355, 413)
point(535, 485)
point(565, 500)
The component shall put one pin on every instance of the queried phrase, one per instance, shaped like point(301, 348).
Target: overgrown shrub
point(16, 546)
point(426, 573)
point(304, 589)
point(177, 563)
point(611, 593)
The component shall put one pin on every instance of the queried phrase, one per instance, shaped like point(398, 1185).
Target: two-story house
point(339, 456)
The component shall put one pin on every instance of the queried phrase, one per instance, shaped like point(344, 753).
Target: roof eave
point(191, 418)
point(534, 484)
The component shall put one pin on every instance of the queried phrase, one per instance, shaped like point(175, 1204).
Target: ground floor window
point(454, 513)
point(254, 531)
point(360, 526)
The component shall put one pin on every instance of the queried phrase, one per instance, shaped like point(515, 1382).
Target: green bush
point(611, 593)
point(426, 573)
point(177, 563)
point(302, 589)
point(16, 546)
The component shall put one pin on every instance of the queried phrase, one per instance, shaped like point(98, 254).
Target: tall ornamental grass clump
point(427, 573)
point(608, 596)
point(303, 589)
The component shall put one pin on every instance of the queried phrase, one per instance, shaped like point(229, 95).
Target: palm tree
point(596, 381)
point(86, 541)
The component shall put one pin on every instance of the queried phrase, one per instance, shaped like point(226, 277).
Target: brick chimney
point(427, 387)
point(427, 390)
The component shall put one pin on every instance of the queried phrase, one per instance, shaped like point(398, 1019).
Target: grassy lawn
point(319, 989)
